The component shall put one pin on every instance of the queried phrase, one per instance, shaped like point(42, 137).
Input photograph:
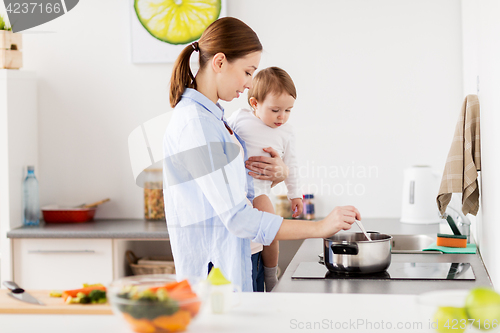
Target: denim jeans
point(257, 272)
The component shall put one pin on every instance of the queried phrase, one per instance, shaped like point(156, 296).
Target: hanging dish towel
point(464, 160)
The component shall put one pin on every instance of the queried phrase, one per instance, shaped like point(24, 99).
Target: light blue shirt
point(205, 182)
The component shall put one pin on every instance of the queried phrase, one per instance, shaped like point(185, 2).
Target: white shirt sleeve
point(290, 159)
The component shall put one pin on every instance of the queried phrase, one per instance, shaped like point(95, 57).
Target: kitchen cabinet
point(18, 149)
point(112, 238)
point(62, 263)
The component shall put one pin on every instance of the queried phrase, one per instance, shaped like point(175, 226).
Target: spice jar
point(283, 207)
point(308, 206)
point(153, 195)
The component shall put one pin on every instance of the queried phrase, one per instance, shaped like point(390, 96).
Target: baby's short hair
point(272, 80)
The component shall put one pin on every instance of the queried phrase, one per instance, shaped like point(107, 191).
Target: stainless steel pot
point(348, 252)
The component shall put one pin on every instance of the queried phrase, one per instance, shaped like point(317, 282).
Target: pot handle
point(350, 248)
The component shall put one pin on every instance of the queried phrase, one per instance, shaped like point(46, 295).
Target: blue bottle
point(31, 205)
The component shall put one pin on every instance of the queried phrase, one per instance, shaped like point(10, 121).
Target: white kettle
point(420, 189)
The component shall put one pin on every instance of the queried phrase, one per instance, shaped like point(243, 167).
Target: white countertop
point(259, 312)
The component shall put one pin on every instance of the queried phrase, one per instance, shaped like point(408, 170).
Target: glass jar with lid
point(283, 207)
point(153, 195)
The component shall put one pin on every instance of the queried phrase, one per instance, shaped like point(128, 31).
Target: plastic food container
point(155, 303)
point(57, 214)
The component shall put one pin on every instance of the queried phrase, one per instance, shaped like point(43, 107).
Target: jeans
point(257, 272)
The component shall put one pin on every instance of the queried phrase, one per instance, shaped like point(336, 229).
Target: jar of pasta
point(153, 195)
point(283, 207)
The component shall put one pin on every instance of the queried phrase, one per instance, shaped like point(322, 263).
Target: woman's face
point(236, 76)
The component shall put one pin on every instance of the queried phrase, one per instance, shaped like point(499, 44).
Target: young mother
point(207, 190)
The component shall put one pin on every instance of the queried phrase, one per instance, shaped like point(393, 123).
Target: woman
point(209, 216)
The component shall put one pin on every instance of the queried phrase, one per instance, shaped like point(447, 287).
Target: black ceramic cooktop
point(396, 271)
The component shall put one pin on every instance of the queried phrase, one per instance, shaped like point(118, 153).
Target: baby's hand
point(297, 207)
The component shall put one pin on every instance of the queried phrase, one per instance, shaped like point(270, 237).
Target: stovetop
point(396, 271)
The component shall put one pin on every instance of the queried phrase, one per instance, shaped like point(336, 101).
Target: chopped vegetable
point(140, 325)
point(55, 293)
point(174, 323)
point(86, 291)
point(97, 296)
point(167, 308)
point(86, 285)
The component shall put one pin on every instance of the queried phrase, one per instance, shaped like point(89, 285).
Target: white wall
point(481, 48)
point(379, 89)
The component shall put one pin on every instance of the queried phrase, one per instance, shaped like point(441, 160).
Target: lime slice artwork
point(177, 21)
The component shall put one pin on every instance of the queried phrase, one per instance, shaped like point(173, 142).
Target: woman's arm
point(340, 218)
point(267, 168)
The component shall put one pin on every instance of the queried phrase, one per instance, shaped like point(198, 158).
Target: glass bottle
point(283, 207)
point(31, 203)
point(308, 206)
point(153, 195)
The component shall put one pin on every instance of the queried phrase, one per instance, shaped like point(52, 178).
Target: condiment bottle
point(153, 195)
point(283, 207)
point(308, 206)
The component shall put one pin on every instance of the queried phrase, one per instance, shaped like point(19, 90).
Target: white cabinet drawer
point(62, 263)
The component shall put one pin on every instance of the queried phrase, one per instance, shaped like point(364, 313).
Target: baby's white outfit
point(258, 135)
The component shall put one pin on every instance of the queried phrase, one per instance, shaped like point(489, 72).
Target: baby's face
point(274, 110)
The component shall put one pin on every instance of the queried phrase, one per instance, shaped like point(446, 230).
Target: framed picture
point(147, 49)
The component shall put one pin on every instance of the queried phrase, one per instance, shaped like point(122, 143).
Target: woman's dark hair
point(227, 35)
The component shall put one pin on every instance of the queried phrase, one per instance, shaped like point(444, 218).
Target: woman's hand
point(340, 218)
point(297, 206)
point(267, 168)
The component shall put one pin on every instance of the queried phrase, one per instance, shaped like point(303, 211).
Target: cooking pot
point(349, 252)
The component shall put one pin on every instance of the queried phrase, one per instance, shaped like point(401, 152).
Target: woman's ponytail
point(182, 77)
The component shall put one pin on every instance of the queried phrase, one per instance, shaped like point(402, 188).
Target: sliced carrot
point(85, 290)
point(192, 307)
point(140, 325)
point(174, 323)
point(184, 284)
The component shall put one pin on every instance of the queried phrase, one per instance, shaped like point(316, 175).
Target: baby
point(271, 99)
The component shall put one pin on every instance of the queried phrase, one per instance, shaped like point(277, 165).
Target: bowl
point(155, 303)
point(445, 311)
point(57, 214)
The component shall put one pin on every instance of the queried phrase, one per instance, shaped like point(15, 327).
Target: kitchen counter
point(260, 312)
point(112, 228)
point(311, 248)
point(143, 229)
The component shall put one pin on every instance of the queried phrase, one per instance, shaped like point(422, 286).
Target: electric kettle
point(420, 189)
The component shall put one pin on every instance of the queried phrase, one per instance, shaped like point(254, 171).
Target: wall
point(481, 49)
point(379, 89)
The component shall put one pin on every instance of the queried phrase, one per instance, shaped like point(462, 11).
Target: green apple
point(450, 319)
point(483, 305)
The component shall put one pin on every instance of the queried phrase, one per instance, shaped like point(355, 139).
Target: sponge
point(451, 240)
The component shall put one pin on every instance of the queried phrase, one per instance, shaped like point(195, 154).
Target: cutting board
point(54, 305)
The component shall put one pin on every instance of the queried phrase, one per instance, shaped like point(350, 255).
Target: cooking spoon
point(94, 204)
point(363, 229)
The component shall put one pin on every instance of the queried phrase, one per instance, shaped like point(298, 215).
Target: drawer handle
point(60, 251)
